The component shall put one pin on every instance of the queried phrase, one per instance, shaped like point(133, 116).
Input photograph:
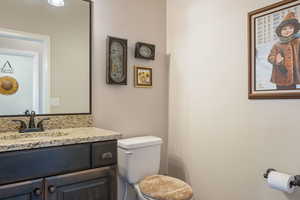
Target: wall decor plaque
point(274, 51)
point(116, 61)
point(145, 51)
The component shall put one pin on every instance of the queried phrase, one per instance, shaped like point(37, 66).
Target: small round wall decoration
point(8, 85)
point(145, 51)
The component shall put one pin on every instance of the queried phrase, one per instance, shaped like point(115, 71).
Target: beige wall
point(131, 111)
point(220, 141)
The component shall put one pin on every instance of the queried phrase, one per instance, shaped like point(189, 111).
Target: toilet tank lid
point(139, 142)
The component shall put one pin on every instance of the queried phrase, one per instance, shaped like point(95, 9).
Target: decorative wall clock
point(145, 51)
point(116, 61)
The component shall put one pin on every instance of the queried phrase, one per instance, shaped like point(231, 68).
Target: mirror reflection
point(44, 56)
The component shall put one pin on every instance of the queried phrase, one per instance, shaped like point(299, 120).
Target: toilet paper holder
point(296, 182)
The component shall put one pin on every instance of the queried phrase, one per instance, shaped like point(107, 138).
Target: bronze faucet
point(31, 125)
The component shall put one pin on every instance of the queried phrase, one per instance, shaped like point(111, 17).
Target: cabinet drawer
point(26, 165)
point(104, 153)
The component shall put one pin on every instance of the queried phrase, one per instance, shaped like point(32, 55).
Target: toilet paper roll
point(280, 181)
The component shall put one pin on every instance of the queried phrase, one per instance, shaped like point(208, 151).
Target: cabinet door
point(29, 190)
point(95, 184)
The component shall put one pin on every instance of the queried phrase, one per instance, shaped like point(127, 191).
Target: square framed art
point(274, 51)
point(143, 77)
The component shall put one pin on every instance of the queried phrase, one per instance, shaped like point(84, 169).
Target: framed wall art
point(274, 51)
point(143, 77)
point(145, 51)
point(116, 61)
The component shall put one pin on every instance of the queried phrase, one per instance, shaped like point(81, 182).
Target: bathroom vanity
point(45, 66)
point(62, 164)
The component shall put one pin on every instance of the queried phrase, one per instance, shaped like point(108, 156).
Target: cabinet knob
point(51, 189)
point(37, 192)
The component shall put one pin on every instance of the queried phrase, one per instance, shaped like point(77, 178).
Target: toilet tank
point(139, 157)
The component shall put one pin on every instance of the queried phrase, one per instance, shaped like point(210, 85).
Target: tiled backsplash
point(55, 122)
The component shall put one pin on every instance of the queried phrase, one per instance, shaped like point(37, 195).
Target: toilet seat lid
point(165, 188)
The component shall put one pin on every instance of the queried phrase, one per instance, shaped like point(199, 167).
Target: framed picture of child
point(274, 51)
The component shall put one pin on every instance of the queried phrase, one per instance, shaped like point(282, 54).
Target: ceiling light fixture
point(57, 3)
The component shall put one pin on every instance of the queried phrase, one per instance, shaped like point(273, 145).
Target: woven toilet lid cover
point(165, 188)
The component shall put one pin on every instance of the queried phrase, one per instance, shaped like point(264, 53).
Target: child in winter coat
point(285, 54)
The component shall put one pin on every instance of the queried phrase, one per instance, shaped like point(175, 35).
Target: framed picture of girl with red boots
point(274, 51)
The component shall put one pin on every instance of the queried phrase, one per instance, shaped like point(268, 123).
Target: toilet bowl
point(138, 164)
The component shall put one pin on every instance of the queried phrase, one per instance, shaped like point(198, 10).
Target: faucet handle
point(33, 113)
point(23, 125)
point(40, 124)
point(31, 123)
point(27, 113)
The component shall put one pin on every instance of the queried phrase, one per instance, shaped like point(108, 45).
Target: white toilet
point(139, 162)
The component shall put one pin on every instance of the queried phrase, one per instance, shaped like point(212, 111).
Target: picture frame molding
point(136, 77)
point(138, 45)
point(264, 95)
point(124, 43)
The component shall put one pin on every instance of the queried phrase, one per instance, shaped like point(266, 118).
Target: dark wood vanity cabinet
point(87, 185)
point(28, 190)
point(97, 182)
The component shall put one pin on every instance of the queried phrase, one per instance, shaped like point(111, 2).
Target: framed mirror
point(45, 57)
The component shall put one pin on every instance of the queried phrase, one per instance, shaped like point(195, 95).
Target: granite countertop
point(13, 141)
